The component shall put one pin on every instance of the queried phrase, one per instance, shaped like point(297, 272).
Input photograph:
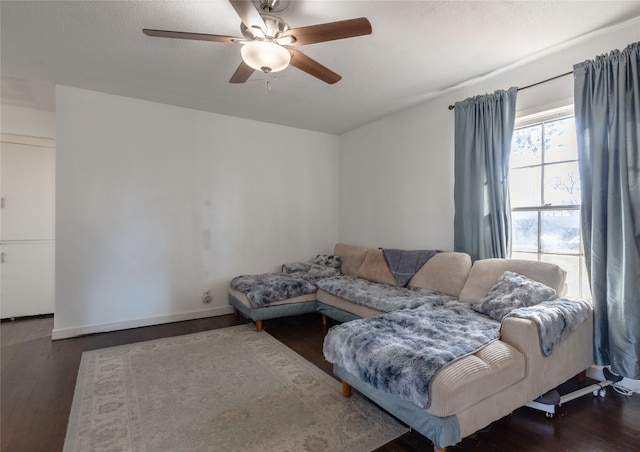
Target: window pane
point(524, 256)
point(577, 282)
point(571, 264)
point(560, 140)
point(562, 184)
point(525, 231)
point(525, 187)
point(560, 231)
point(525, 148)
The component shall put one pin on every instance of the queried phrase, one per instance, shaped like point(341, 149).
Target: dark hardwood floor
point(38, 381)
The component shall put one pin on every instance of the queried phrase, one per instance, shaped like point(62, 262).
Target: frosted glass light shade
point(265, 56)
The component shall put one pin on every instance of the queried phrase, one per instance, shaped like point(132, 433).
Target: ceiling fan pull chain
point(267, 84)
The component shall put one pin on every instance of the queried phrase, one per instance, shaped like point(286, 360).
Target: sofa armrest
point(571, 357)
point(522, 334)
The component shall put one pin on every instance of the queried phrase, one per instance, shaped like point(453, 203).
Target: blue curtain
point(607, 108)
point(483, 132)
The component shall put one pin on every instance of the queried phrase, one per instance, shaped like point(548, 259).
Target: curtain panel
point(607, 112)
point(483, 132)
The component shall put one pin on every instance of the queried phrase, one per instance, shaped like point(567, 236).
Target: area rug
point(231, 389)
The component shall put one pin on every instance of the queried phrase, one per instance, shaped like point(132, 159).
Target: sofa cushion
point(374, 268)
point(266, 288)
point(352, 257)
point(242, 298)
point(512, 291)
point(364, 312)
point(445, 272)
point(473, 378)
point(382, 297)
point(485, 273)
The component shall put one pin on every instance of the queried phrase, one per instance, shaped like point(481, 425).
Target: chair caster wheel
point(549, 415)
point(602, 392)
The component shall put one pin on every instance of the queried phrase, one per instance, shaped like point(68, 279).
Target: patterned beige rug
point(222, 390)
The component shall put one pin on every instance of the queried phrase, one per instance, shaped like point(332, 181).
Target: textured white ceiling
point(417, 49)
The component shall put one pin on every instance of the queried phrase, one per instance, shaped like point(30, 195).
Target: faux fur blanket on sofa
point(400, 352)
point(555, 320)
point(382, 297)
point(261, 290)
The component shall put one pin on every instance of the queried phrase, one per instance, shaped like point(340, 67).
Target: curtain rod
point(451, 107)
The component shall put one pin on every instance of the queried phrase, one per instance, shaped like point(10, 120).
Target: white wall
point(27, 121)
point(395, 180)
point(156, 203)
point(396, 174)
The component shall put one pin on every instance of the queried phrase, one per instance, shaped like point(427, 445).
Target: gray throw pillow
point(328, 260)
point(510, 292)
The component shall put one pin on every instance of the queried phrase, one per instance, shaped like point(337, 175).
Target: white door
point(27, 229)
point(28, 192)
point(28, 283)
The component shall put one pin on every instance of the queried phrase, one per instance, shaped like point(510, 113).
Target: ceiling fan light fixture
point(265, 56)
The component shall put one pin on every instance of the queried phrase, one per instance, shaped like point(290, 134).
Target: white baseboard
point(595, 372)
point(65, 333)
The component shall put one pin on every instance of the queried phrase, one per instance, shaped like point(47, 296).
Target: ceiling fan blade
point(312, 67)
point(241, 74)
point(329, 31)
point(193, 36)
point(248, 13)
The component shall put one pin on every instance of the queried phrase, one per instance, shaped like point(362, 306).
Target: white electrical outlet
point(206, 296)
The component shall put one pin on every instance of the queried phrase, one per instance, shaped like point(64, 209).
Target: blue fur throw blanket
point(325, 264)
point(296, 279)
point(380, 296)
point(261, 290)
point(555, 320)
point(400, 352)
point(309, 272)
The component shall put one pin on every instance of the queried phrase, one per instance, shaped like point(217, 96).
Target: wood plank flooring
point(38, 381)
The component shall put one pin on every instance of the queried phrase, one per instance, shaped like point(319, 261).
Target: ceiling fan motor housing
point(266, 5)
point(275, 28)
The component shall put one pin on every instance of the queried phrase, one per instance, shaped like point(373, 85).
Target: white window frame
point(537, 119)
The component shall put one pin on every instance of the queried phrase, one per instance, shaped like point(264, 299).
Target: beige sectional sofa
point(475, 390)
point(445, 272)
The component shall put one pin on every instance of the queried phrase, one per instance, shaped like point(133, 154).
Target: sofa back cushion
point(375, 268)
point(485, 273)
point(445, 272)
point(352, 257)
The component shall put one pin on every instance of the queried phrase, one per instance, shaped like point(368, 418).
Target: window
point(545, 195)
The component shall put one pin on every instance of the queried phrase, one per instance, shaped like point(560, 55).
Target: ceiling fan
point(267, 37)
